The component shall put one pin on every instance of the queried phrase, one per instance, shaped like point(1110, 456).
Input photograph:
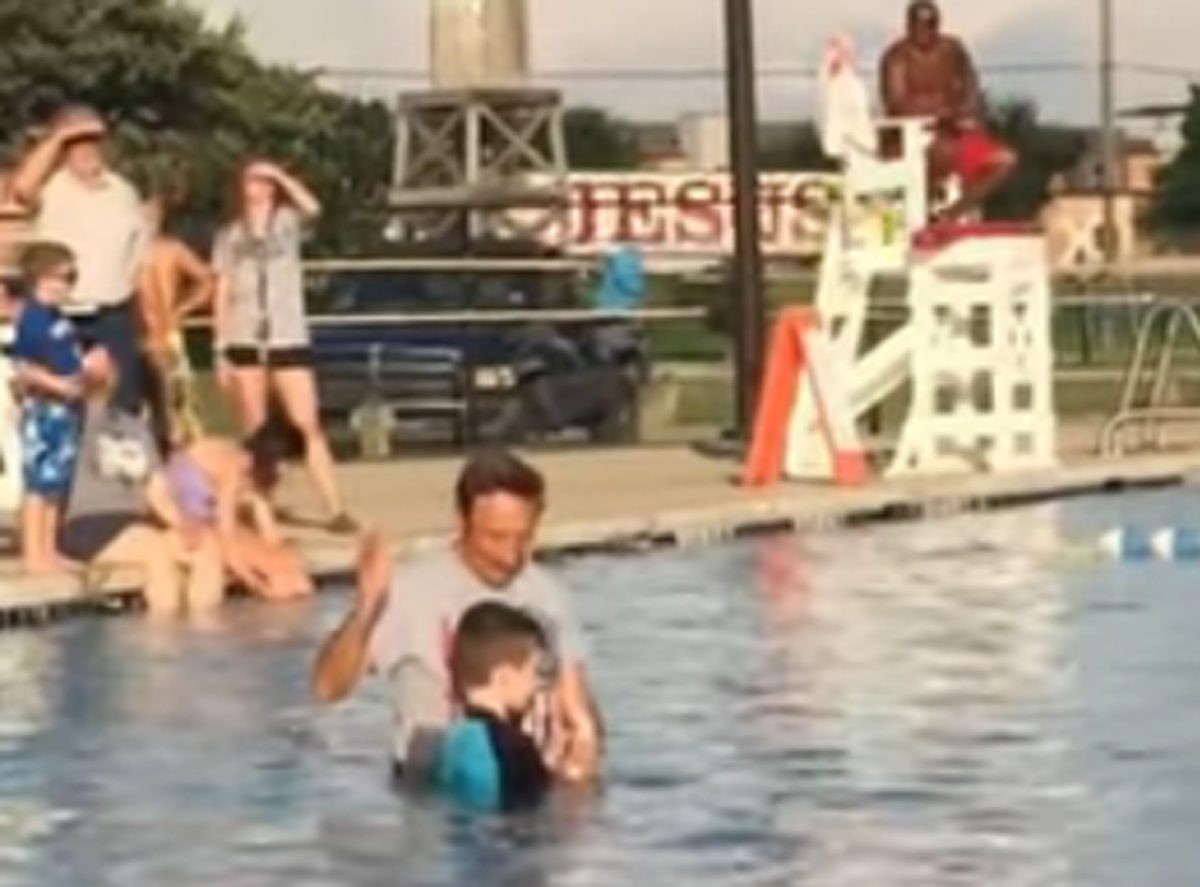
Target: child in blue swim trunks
point(49, 367)
point(485, 760)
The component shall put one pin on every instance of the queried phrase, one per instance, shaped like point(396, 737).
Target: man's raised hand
point(374, 569)
point(82, 127)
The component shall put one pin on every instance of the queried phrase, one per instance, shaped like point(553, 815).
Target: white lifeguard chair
point(976, 350)
point(883, 202)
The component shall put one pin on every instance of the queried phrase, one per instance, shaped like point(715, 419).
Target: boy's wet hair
point(274, 443)
point(489, 635)
point(42, 258)
point(498, 471)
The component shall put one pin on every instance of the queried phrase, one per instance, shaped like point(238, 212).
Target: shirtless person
point(175, 284)
point(929, 74)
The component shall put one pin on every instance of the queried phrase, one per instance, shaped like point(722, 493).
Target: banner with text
point(689, 215)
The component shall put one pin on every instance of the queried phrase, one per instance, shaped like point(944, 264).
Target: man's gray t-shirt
point(266, 283)
point(411, 643)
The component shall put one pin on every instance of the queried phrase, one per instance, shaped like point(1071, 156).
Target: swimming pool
point(945, 703)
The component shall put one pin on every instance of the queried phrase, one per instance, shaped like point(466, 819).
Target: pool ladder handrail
point(1172, 316)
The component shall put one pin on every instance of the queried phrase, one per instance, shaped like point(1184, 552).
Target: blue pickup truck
point(464, 356)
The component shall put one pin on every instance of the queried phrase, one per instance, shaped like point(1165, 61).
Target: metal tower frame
point(467, 158)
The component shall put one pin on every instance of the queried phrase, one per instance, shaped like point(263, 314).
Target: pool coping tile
point(30, 601)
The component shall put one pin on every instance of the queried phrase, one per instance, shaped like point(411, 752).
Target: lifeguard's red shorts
point(975, 154)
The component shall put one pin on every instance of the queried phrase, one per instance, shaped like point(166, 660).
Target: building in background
point(1074, 217)
point(704, 141)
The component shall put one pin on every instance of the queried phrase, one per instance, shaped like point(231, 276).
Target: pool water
point(958, 702)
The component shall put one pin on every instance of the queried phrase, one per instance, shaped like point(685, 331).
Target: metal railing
point(1157, 341)
point(465, 264)
point(1109, 344)
point(498, 317)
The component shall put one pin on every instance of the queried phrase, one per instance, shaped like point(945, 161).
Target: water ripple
point(934, 705)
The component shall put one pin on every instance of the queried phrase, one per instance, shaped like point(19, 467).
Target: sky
point(607, 35)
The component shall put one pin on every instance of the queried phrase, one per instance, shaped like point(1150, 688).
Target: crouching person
point(223, 488)
point(120, 512)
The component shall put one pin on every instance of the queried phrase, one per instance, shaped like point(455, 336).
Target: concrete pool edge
point(788, 508)
point(741, 514)
point(788, 511)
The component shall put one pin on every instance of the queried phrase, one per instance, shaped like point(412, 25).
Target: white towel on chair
point(847, 127)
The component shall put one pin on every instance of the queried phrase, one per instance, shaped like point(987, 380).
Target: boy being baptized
point(485, 760)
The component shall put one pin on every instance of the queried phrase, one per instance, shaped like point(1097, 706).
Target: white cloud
point(641, 34)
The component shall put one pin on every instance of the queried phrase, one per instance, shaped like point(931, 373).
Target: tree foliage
point(798, 148)
point(598, 140)
point(181, 94)
point(1177, 203)
point(1043, 152)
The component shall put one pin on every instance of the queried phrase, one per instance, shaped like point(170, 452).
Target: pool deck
point(630, 499)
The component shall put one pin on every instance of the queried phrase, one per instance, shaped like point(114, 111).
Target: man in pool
point(402, 622)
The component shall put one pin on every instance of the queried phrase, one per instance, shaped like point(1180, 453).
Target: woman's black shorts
point(287, 358)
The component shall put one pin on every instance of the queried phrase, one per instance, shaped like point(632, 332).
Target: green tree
point(598, 140)
point(794, 148)
point(173, 88)
point(1043, 152)
point(1176, 207)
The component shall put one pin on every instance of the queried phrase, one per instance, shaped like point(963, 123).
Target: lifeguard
point(930, 75)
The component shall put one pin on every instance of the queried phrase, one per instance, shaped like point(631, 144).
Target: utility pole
point(746, 289)
point(1109, 137)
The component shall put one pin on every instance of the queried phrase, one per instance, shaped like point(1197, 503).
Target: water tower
point(480, 143)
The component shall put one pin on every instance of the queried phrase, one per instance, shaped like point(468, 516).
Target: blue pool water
point(958, 702)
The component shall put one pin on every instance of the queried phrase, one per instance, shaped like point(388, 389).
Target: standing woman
point(261, 334)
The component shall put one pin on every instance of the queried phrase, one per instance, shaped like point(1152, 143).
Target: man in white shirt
point(79, 201)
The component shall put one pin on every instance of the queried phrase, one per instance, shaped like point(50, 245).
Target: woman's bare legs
point(250, 397)
point(162, 556)
point(298, 396)
point(148, 549)
point(205, 589)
